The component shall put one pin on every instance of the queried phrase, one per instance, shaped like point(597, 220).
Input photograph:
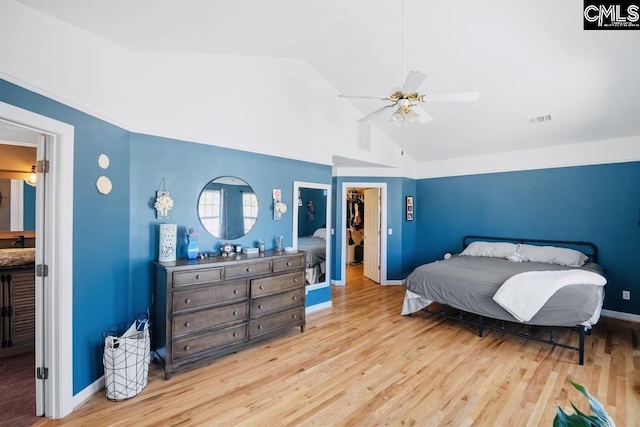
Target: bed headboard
point(587, 248)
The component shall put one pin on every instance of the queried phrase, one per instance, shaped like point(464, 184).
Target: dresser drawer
point(267, 324)
point(208, 319)
point(288, 263)
point(192, 345)
point(273, 284)
point(265, 305)
point(208, 296)
point(247, 269)
point(192, 277)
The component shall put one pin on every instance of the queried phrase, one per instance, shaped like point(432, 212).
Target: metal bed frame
point(591, 252)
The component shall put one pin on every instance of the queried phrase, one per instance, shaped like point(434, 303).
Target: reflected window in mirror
point(209, 209)
point(228, 207)
point(249, 210)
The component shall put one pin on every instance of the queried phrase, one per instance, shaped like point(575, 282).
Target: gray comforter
point(469, 283)
point(315, 248)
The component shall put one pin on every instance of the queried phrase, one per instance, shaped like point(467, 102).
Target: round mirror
point(228, 207)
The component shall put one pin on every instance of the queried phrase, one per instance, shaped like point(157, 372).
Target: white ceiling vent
point(538, 119)
point(364, 136)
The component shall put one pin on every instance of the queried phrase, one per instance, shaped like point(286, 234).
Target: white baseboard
point(621, 316)
point(337, 282)
point(317, 307)
point(88, 392)
point(394, 282)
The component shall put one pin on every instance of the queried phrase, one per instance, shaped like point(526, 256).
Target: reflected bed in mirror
point(228, 207)
point(311, 234)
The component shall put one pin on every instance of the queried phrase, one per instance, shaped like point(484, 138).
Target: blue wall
point(409, 228)
point(29, 207)
point(598, 203)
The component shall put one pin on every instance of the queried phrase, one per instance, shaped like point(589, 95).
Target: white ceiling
point(526, 58)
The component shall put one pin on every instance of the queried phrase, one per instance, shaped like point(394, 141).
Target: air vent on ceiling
point(364, 136)
point(538, 119)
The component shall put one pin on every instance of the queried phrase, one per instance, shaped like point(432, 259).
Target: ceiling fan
point(408, 99)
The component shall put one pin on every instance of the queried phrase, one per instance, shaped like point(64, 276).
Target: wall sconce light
point(163, 203)
point(278, 206)
point(33, 177)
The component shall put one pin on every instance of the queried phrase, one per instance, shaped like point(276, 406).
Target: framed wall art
point(409, 206)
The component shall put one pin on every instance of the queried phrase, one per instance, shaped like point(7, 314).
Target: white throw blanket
point(524, 294)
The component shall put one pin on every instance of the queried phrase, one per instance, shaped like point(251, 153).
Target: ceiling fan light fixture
point(31, 180)
point(398, 116)
point(412, 116)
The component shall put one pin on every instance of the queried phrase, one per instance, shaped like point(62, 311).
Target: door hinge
point(42, 373)
point(42, 166)
point(42, 270)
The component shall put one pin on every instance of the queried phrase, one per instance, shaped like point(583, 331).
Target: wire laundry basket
point(126, 358)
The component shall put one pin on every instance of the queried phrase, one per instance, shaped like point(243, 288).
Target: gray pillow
point(552, 255)
point(490, 249)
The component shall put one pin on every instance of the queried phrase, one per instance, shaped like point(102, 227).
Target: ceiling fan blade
point(413, 81)
point(375, 113)
point(384, 98)
point(461, 96)
point(423, 116)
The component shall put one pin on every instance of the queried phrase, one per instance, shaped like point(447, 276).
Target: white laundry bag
point(126, 361)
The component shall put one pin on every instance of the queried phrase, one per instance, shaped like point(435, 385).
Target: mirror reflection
point(17, 195)
point(228, 207)
point(312, 232)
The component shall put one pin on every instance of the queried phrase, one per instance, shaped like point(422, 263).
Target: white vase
point(167, 247)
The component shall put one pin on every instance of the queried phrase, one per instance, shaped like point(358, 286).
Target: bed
point(502, 279)
point(315, 247)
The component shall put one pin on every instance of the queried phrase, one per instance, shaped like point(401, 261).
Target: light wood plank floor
point(360, 363)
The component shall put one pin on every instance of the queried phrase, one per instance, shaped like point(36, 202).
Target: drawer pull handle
point(259, 326)
point(235, 291)
point(235, 334)
point(294, 316)
point(295, 297)
point(235, 313)
point(187, 301)
point(295, 280)
point(261, 286)
point(249, 270)
point(187, 348)
point(198, 277)
point(260, 306)
point(187, 325)
point(288, 263)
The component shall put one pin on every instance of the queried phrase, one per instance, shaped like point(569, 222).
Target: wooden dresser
point(206, 308)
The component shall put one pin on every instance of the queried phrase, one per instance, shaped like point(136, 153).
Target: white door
point(371, 267)
point(41, 290)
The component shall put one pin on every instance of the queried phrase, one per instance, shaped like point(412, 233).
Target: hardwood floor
point(17, 390)
point(360, 363)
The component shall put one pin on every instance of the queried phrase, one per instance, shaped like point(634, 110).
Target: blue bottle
point(192, 247)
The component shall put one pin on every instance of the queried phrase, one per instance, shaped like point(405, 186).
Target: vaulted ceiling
point(525, 58)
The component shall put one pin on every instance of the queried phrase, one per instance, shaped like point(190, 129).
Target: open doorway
point(17, 276)
point(311, 230)
point(53, 260)
point(363, 223)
